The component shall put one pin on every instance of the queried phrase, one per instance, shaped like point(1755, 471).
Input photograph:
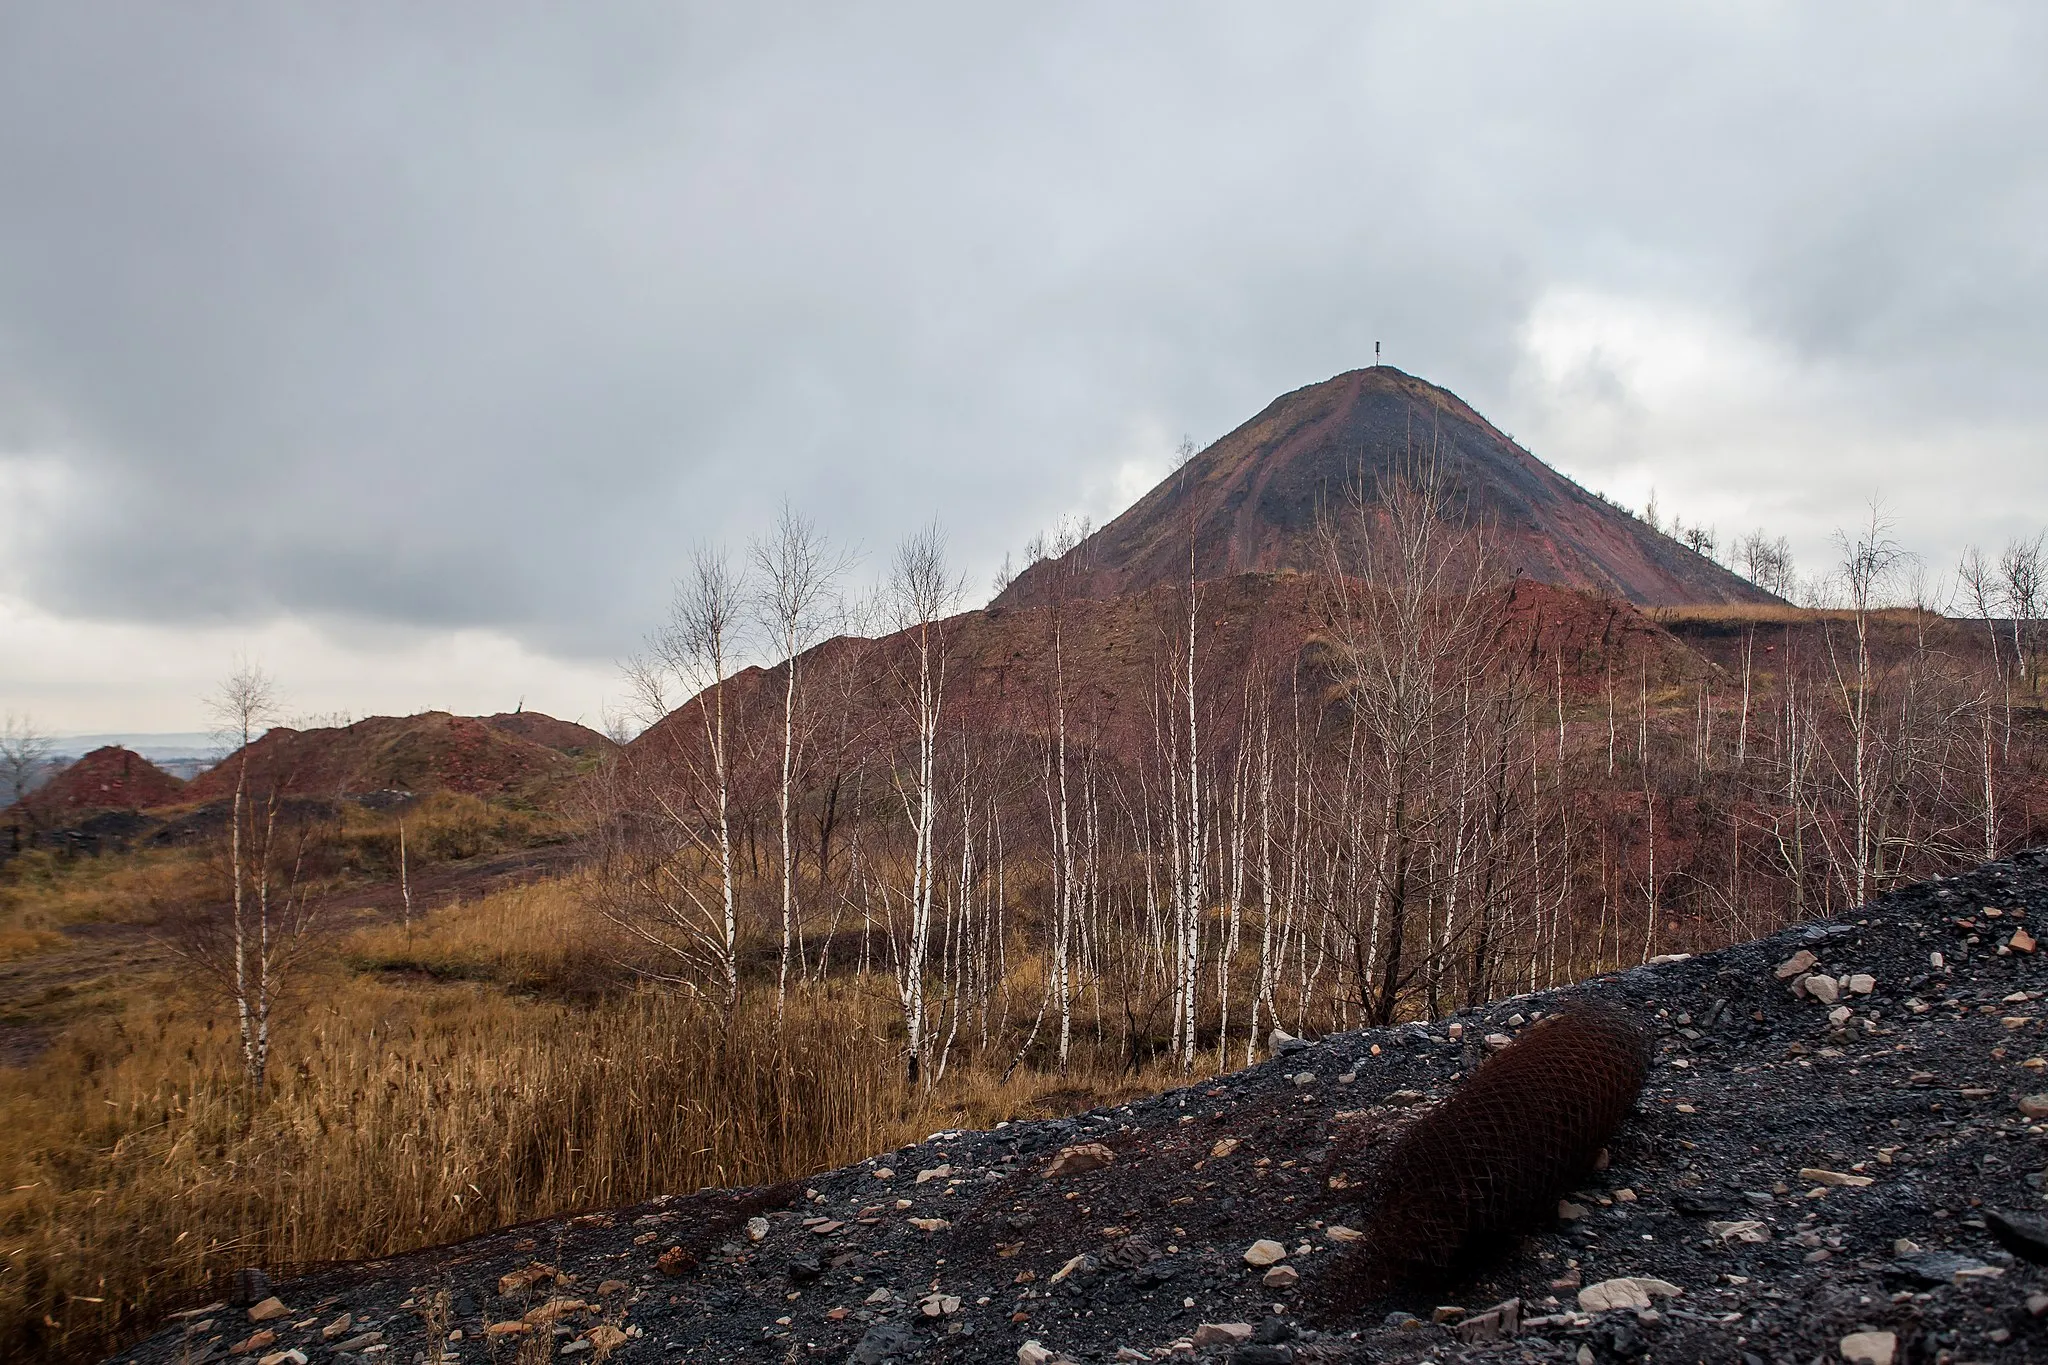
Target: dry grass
point(539, 937)
point(1779, 614)
point(406, 1113)
point(442, 826)
point(45, 890)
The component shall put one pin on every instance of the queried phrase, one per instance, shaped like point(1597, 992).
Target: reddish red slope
point(1252, 500)
point(999, 660)
point(428, 752)
point(110, 778)
point(565, 736)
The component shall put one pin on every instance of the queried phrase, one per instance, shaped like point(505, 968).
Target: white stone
point(1337, 1232)
point(1222, 1334)
point(935, 1173)
point(1741, 1230)
point(1281, 1277)
point(1265, 1251)
point(757, 1229)
point(1822, 988)
point(1840, 1015)
point(1031, 1353)
point(1862, 983)
point(1869, 1348)
point(1612, 1294)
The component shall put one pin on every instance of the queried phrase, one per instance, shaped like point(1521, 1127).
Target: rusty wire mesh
point(1494, 1157)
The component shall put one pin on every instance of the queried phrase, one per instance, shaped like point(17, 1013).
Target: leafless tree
point(690, 778)
point(1767, 562)
point(796, 570)
point(24, 752)
point(269, 916)
point(1870, 563)
point(2020, 582)
point(922, 592)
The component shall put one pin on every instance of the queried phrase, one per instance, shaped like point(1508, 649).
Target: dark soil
point(1917, 1090)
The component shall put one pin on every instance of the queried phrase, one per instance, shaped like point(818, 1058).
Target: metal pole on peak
point(1375, 355)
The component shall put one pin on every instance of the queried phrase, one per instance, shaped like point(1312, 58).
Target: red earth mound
point(110, 778)
point(433, 751)
point(565, 736)
point(999, 666)
point(1252, 502)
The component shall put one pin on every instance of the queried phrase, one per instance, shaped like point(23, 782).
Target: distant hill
point(1252, 501)
point(108, 778)
point(433, 751)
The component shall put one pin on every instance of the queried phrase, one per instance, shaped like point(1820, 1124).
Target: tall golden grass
point(405, 1113)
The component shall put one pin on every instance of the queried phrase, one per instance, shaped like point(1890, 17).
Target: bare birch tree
point(922, 593)
point(795, 570)
point(268, 915)
point(690, 659)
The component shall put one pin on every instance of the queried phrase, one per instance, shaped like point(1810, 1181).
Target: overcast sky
point(408, 349)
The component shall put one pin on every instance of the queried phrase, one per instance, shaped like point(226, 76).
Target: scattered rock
point(1748, 1230)
point(1798, 964)
point(269, 1310)
point(1404, 1098)
point(1222, 1334)
point(294, 1356)
point(2034, 1106)
point(1869, 1348)
point(1086, 1156)
point(1281, 1277)
point(1931, 1268)
point(517, 1280)
point(606, 1337)
point(1862, 983)
point(675, 1262)
point(1491, 1324)
point(2024, 1237)
point(1821, 988)
point(888, 1341)
point(930, 1224)
point(1814, 1175)
point(1031, 1353)
point(514, 1328)
point(1265, 1251)
point(1224, 1146)
point(1280, 1042)
point(1625, 1292)
point(1337, 1232)
point(2021, 941)
point(252, 1343)
point(337, 1327)
point(757, 1229)
point(935, 1173)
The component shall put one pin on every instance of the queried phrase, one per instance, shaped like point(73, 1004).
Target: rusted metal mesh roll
point(1493, 1158)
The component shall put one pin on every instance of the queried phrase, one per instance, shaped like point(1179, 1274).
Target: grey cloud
point(480, 314)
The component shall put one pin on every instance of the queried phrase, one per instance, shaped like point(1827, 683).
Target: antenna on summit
point(1375, 354)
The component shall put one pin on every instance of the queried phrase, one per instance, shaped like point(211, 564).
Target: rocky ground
point(1817, 1169)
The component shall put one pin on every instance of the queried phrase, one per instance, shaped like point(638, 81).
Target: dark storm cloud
point(445, 315)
